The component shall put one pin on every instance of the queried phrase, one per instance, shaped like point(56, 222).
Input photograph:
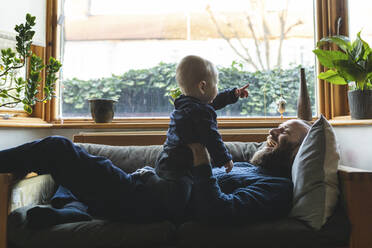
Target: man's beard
point(275, 161)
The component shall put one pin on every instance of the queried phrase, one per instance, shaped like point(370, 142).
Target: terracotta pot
point(360, 104)
point(102, 110)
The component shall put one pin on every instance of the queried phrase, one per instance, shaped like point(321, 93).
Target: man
point(256, 191)
point(92, 185)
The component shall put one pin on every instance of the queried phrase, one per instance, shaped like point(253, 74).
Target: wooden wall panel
point(51, 107)
point(332, 99)
point(158, 137)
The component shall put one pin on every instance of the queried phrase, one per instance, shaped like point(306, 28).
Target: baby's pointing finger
point(244, 87)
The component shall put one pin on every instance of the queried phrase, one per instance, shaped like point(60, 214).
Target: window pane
point(359, 12)
point(8, 41)
point(128, 50)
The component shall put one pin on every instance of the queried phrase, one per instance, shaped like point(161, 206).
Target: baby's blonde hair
point(193, 69)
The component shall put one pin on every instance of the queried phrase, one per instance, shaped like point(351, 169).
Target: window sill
point(162, 123)
point(24, 122)
point(347, 121)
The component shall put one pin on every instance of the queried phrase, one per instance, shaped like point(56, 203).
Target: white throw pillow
point(314, 175)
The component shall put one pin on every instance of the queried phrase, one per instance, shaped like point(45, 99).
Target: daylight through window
point(128, 50)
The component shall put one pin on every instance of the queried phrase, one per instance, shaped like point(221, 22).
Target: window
point(358, 12)
point(8, 41)
point(128, 50)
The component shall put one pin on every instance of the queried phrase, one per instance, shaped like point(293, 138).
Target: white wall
point(355, 146)
point(10, 137)
point(14, 12)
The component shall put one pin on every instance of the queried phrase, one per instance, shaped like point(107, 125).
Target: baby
point(194, 119)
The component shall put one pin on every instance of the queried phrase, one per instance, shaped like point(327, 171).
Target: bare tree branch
point(259, 6)
point(282, 21)
point(248, 60)
point(236, 34)
point(266, 35)
point(283, 34)
point(299, 22)
point(256, 41)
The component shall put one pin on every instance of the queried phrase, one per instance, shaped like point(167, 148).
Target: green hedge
point(144, 92)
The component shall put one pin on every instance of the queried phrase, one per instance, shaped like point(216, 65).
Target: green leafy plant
point(352, 63)
point(174, 93)
point(15, 90)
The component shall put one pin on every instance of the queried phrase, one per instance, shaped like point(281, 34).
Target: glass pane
point(128, 50)
point(359, 12)
point(8, 41)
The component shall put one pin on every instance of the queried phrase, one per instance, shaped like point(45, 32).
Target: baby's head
point(197, 77)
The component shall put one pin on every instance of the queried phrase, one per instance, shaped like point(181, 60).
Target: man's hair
point(307, 123)
point(193, 69)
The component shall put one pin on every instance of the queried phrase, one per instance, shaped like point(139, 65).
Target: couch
point(349, 226)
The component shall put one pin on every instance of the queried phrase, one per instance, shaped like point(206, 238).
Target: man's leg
point(93, 180)
point(42, 216)
point(65, 208)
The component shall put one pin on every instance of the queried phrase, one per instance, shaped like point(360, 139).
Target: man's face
point(290, 132)
point(281, 147)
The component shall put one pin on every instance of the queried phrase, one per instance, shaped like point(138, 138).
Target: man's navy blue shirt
point(193, 122)
point(247, 193)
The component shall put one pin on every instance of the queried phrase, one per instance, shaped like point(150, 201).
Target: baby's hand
point(228, 166)
point(242, 92)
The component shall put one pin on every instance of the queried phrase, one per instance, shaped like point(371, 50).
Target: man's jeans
point(106, 189)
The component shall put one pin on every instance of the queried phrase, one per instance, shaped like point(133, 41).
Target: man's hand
point(242, 92)
point(228, 166)
point(200, 154)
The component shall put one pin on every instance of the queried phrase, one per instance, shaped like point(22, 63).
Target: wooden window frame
point(332, 99)
point(43, 113)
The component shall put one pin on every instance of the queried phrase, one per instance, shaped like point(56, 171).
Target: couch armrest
point(32, 191)
point(356, 187)
point(5, 182)
point(15, 194)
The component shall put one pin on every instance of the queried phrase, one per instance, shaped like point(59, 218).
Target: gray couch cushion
point(130, 158)
point(314, 175)
point(95, 233)
point(286, 233)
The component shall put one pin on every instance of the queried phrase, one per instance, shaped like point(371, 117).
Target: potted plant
point(15, 90)
point(351, 65)
point(102, 109)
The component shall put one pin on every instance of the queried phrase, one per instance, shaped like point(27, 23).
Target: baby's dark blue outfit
point(193, 122)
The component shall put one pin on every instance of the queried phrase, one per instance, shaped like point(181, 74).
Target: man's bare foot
point(200, 154)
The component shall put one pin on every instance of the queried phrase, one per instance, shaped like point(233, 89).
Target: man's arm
point(263, 199)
